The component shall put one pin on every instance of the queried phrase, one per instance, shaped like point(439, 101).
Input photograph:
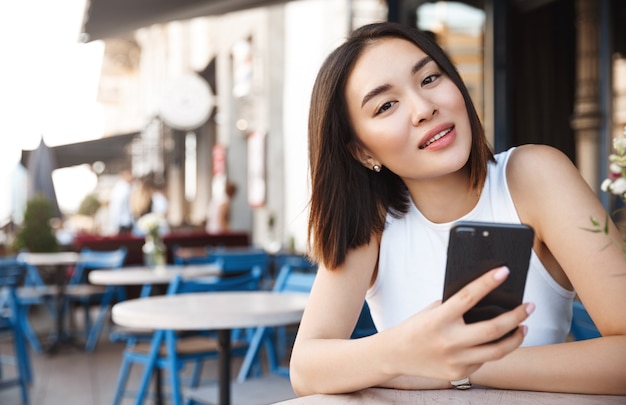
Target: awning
point(113, 18)
point(106, 150)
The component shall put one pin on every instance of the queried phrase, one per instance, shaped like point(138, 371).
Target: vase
point(154, 253)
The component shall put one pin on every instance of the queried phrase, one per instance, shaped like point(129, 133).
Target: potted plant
point(36, 233)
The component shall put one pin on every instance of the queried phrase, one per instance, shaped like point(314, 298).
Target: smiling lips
point(436, 138)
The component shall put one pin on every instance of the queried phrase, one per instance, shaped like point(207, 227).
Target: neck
point(446, 198)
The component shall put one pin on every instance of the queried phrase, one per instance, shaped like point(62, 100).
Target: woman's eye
point(385, 107)
point(431, 78)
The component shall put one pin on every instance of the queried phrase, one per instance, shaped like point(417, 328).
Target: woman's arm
point(551, 196)
point(434, 345)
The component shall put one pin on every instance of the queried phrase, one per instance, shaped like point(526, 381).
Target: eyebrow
point(381, 89)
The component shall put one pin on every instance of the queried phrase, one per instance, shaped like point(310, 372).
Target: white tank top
point(412, 261)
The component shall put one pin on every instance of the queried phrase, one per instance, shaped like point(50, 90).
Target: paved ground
point(74, 377)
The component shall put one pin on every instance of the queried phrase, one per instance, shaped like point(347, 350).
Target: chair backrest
point(582, 326)
point(234, 261)
point(296, 274)
point(93, 259)
point(11, 272)
point(249, 281)
point(192, 255)
point(32, 277)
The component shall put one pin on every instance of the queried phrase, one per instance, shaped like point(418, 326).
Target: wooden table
point(59, 261)
point(476, 395)
point(221, 311)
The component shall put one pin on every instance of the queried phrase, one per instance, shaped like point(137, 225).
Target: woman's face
point(406, 113)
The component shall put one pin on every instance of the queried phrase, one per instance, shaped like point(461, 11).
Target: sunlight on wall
point(49, 86)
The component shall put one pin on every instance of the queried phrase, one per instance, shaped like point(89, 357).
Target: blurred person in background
point(218, 212)
point(119, 214)
point(147, 197)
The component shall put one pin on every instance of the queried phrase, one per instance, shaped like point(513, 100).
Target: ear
point(362, 155)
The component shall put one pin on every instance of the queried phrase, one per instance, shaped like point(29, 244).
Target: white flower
point(606, 184)
point(615, 168)
point(151, 222)
point(619, 144)
point(619, 186)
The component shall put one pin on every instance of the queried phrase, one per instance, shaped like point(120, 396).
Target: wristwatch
point(462, 384)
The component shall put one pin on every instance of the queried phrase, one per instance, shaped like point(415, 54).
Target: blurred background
point(197, 93)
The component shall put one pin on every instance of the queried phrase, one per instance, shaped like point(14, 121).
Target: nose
point(422, 109)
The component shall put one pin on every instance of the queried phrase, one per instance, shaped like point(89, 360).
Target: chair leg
point(150, 365)
point(23, 365)
point(122, 378)
point(22, 359)
point(172, 364)
point(87, 317)
point(93, 333)
point(252, 354)
point(271, 351)
point(29, 332)
point(196, 373)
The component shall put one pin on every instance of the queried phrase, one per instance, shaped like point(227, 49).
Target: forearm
point(339, 365)
point(596, 366)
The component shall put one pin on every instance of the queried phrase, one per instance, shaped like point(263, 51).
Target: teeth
point(436, 137)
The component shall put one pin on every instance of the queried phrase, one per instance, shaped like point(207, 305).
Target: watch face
point(187, 102)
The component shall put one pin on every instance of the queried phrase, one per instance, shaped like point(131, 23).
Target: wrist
point(461, 384)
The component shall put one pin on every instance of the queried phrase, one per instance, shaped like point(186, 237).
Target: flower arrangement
point(616, 185)
point(154, 250)
point(151, 224)
point(616, 182)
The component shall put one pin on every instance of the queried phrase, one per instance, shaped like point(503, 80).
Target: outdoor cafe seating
point(11, 274)
point(186, 348)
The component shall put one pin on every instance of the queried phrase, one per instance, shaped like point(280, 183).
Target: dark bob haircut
point(348, 201)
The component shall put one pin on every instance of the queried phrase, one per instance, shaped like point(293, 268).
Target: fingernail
point(530, 308)
point(524, 330)
point(501, 273)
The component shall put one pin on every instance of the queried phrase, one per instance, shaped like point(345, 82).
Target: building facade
point(543, 71)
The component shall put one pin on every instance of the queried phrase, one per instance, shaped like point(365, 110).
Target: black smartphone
point(477, 247)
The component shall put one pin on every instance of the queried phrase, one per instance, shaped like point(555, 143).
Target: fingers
point(489, 331)
point(494, 351)
point(469, 295)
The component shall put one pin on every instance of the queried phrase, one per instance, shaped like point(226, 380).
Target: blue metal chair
point(171, 351)
point(296, 274)
point(81, 292)
point(235, 261)
point(192, 255)
point(34, 292)
point(11, 274)
point(582, 327)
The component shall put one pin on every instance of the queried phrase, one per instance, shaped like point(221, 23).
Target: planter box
point(134, 243)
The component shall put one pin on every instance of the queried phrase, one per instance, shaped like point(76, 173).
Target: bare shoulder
point(540, 178)
point(540, 169)
point(532, 160)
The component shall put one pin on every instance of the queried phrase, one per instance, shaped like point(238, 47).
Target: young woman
point(397, 155)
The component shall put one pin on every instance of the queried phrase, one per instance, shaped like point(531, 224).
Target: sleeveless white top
point(412, 261)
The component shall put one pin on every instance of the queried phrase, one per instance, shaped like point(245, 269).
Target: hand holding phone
point(477, 247)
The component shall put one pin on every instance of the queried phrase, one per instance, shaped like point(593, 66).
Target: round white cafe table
point(59, 261)
point(49, 259)
point(141, 275)
point(221, 311)
point(476, 395)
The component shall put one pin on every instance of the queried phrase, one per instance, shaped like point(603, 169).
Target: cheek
point(388, 139)
point(452, 98)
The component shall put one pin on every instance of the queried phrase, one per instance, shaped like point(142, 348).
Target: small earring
point(376, 168)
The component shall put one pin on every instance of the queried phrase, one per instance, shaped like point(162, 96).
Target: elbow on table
point(297, 383)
